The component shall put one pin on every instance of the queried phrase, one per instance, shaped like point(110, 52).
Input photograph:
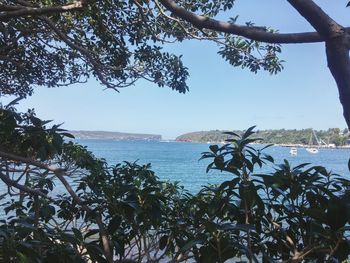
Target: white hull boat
point(293, 151)
point(312, 150)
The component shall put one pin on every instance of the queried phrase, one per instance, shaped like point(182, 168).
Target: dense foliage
point(64, 205)
point(305, 136)
point(116, 42)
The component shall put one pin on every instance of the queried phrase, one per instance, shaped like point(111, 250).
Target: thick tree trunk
point(337, 50)
point(337, 41)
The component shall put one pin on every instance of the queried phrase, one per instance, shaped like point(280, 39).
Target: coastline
point(288, 145)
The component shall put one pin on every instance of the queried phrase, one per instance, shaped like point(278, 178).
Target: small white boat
point(293, 151)
point(312, 150)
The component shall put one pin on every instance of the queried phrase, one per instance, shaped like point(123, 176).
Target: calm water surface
point(177, 161)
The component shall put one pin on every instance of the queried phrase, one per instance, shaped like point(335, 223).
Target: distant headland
point(121, 136)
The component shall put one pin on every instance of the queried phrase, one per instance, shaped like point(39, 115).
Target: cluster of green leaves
point(287, 214)
point(129, 198)
point(134, 206)
point(116, 42)
point(208, 8)
point(245, 53)
point(26, 135)
point(113, 41)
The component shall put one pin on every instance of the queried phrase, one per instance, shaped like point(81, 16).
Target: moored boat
point(311, 150)
point(293, 151)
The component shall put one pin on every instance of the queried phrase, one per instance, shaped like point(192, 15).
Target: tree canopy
point(56, 43)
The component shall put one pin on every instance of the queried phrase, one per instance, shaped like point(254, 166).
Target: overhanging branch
point(15, 184)
point(322, 22)
point(96, 65)
point(254, 33)
point(17, 158)
point(23, 11)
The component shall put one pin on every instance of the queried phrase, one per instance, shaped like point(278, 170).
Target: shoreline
point(289, 145)
point(313, 146)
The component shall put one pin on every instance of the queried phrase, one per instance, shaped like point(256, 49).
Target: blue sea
point(179, 161)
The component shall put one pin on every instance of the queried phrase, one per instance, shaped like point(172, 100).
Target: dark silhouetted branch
point(9, 182)
point(23, 11)
point(323, 24)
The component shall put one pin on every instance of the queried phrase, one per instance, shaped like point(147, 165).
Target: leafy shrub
point(124, 212)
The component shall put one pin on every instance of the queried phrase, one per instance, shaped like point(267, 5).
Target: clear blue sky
point(221, 97)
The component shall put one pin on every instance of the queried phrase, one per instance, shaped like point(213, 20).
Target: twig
point(23, 188)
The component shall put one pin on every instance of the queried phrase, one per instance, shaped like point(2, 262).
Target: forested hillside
point(331, 136)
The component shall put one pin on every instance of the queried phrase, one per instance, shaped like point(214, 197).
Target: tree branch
point(254, 33)
point(323, 24)
point(27, 160)
point(9, 7)
point(24, 11)
point(23, 188)
point(86, 53)
point(339, 64)
point(104, 235)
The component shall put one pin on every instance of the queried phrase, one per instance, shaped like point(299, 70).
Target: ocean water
point(179, 161)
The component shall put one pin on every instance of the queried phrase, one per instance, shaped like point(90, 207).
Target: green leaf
point(266, 146)
point(66, 134)
point(191, 244)
point(219, 162)
point(21, 258)
point(248, 132)
point(208, 254)
point(214, 148)
point(241, 227)
point(114, 224)
point(91, 233)
point(268, 158)
point(336, 215)
point(163, 241)
point(14, 102)
point(77, 234)
point(316, 213)
point(231, 133)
